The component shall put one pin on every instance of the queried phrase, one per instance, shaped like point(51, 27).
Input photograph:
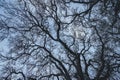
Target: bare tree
point(62, 39)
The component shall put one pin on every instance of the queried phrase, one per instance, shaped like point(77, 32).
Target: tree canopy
point(60, 39)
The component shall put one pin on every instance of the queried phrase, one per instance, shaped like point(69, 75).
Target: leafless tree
point(62, 39)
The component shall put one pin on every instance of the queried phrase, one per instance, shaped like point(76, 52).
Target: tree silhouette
point(62, 39)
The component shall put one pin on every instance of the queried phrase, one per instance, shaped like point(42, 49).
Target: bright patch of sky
point(4, 46)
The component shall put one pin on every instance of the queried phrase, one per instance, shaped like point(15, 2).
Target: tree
point(62, 39)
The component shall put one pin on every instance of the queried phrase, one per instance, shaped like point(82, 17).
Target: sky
point(4, 46)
